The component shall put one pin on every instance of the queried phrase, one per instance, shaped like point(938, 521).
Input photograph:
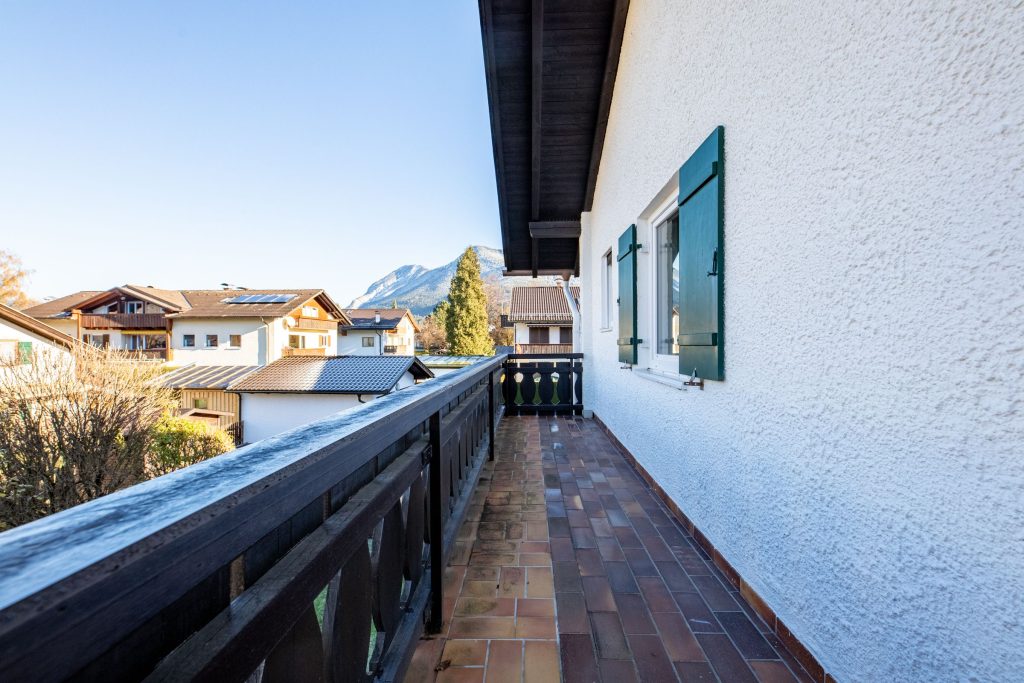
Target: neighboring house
point(442, 365)
point(294, 391)
point(200, 390)
point(543, 319)
point(204, 327)
point(378, 332)
point(23, 338)
point(798, 228)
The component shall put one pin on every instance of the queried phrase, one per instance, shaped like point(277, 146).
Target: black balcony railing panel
point(543, 383)
point(274, 558)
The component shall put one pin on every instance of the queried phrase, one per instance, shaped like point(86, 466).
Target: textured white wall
point(861, 464)
point(253, 350)
point(264, 415)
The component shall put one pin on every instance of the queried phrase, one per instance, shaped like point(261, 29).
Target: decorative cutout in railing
point(543, 383)
point(312, 556)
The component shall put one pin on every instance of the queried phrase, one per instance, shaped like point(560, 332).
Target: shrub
point(179, 442)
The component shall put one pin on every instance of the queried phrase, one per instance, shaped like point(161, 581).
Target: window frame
point(186, 338)
point(371, 345)
point(214, 345)
point(666, 364)
point(607, 291)
point(231, 341)
point(137, 307)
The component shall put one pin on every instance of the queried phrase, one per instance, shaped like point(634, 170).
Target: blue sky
point(277, 144)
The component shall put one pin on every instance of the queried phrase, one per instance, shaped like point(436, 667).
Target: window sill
point(604, 329)
point(675, 382)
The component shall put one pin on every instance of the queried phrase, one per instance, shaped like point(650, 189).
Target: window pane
point(211, 340)
point(668, 285)
point(235, 340)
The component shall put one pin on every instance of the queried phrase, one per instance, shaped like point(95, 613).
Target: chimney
point(376, 317)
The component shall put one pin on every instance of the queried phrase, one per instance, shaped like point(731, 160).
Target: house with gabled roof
point(543, 319)
point(295, 391)
point(23, 338)
point(223, 327)
point(378, 332)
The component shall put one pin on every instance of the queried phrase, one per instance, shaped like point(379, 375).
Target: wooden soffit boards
point(550, 76)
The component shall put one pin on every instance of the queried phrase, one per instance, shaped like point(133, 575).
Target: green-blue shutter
point(626, 255)
point(701, 195)
point(24, 352)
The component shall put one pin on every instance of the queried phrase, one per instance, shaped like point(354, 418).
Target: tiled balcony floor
point(568, 565)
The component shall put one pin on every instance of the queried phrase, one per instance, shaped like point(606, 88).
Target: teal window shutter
point(701, 193)
point(626, 255)
point(24, 352)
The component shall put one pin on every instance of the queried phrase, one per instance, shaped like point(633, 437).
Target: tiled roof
point(541, 304)
point(209, 303)
point(60, 307)
point(332, 375)
point(205, 376)
point(196, 303)
point(366, 318)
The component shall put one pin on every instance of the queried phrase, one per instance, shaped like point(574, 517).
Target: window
point(24, 352)
point(234, 340)
point(310, 312)
point(325, 341)
point(133, 306)
point(368, 342)
point(606, 291)
point(540, 335)
point(666, 234)
point(188, 341)
point(112, 308)
point(565, 335)
point(200, 403)
point(211, 341)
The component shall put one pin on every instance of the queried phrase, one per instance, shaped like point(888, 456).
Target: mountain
point(420, 289)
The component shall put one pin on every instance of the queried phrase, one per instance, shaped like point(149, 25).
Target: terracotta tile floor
point(568, 567)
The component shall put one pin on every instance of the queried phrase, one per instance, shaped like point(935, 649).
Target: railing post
point(436, 528)
point(490, 414)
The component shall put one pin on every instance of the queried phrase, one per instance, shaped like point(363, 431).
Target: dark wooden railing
point(124, 321)
point(543, 383)
point(315, 555)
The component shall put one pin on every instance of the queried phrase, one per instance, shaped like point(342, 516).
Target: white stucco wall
point(51, 355)
point(264, 415)
point(861, 463)
point(253, 350)
point(351, 344)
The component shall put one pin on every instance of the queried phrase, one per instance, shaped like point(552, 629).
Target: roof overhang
point(551, 68)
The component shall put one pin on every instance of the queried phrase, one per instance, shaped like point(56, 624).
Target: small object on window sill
point(626, 366)
point(694, 381)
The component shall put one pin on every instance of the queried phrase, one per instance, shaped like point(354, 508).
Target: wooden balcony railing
point(289, 351)
point(543, 383)
point(140, 354)
point(559, 349)
point(311, 556)
point(311, 324)
point(124, 321)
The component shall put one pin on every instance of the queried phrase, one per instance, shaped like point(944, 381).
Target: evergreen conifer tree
point(466, 320)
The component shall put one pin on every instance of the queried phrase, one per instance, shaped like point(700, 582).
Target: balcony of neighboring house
point(543, 348)
point(123, 321)
point(288, 351)
point(473, 522)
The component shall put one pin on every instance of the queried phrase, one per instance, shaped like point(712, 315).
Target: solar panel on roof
point(260, 299)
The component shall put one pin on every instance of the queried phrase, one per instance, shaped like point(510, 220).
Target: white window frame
point(208, 345)
point(134, 305)
point(607, 291)
point(660, 210)
point(184, 341)
point(235, 346)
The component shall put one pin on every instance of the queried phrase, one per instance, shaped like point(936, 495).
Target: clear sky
point(266, 144)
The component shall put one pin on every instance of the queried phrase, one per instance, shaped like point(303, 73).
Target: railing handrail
point(41, 553)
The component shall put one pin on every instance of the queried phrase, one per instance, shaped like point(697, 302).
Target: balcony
point(288, 351)
point(314, 324)
point(556, 349)
point(124, 321)
point(324, 553)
